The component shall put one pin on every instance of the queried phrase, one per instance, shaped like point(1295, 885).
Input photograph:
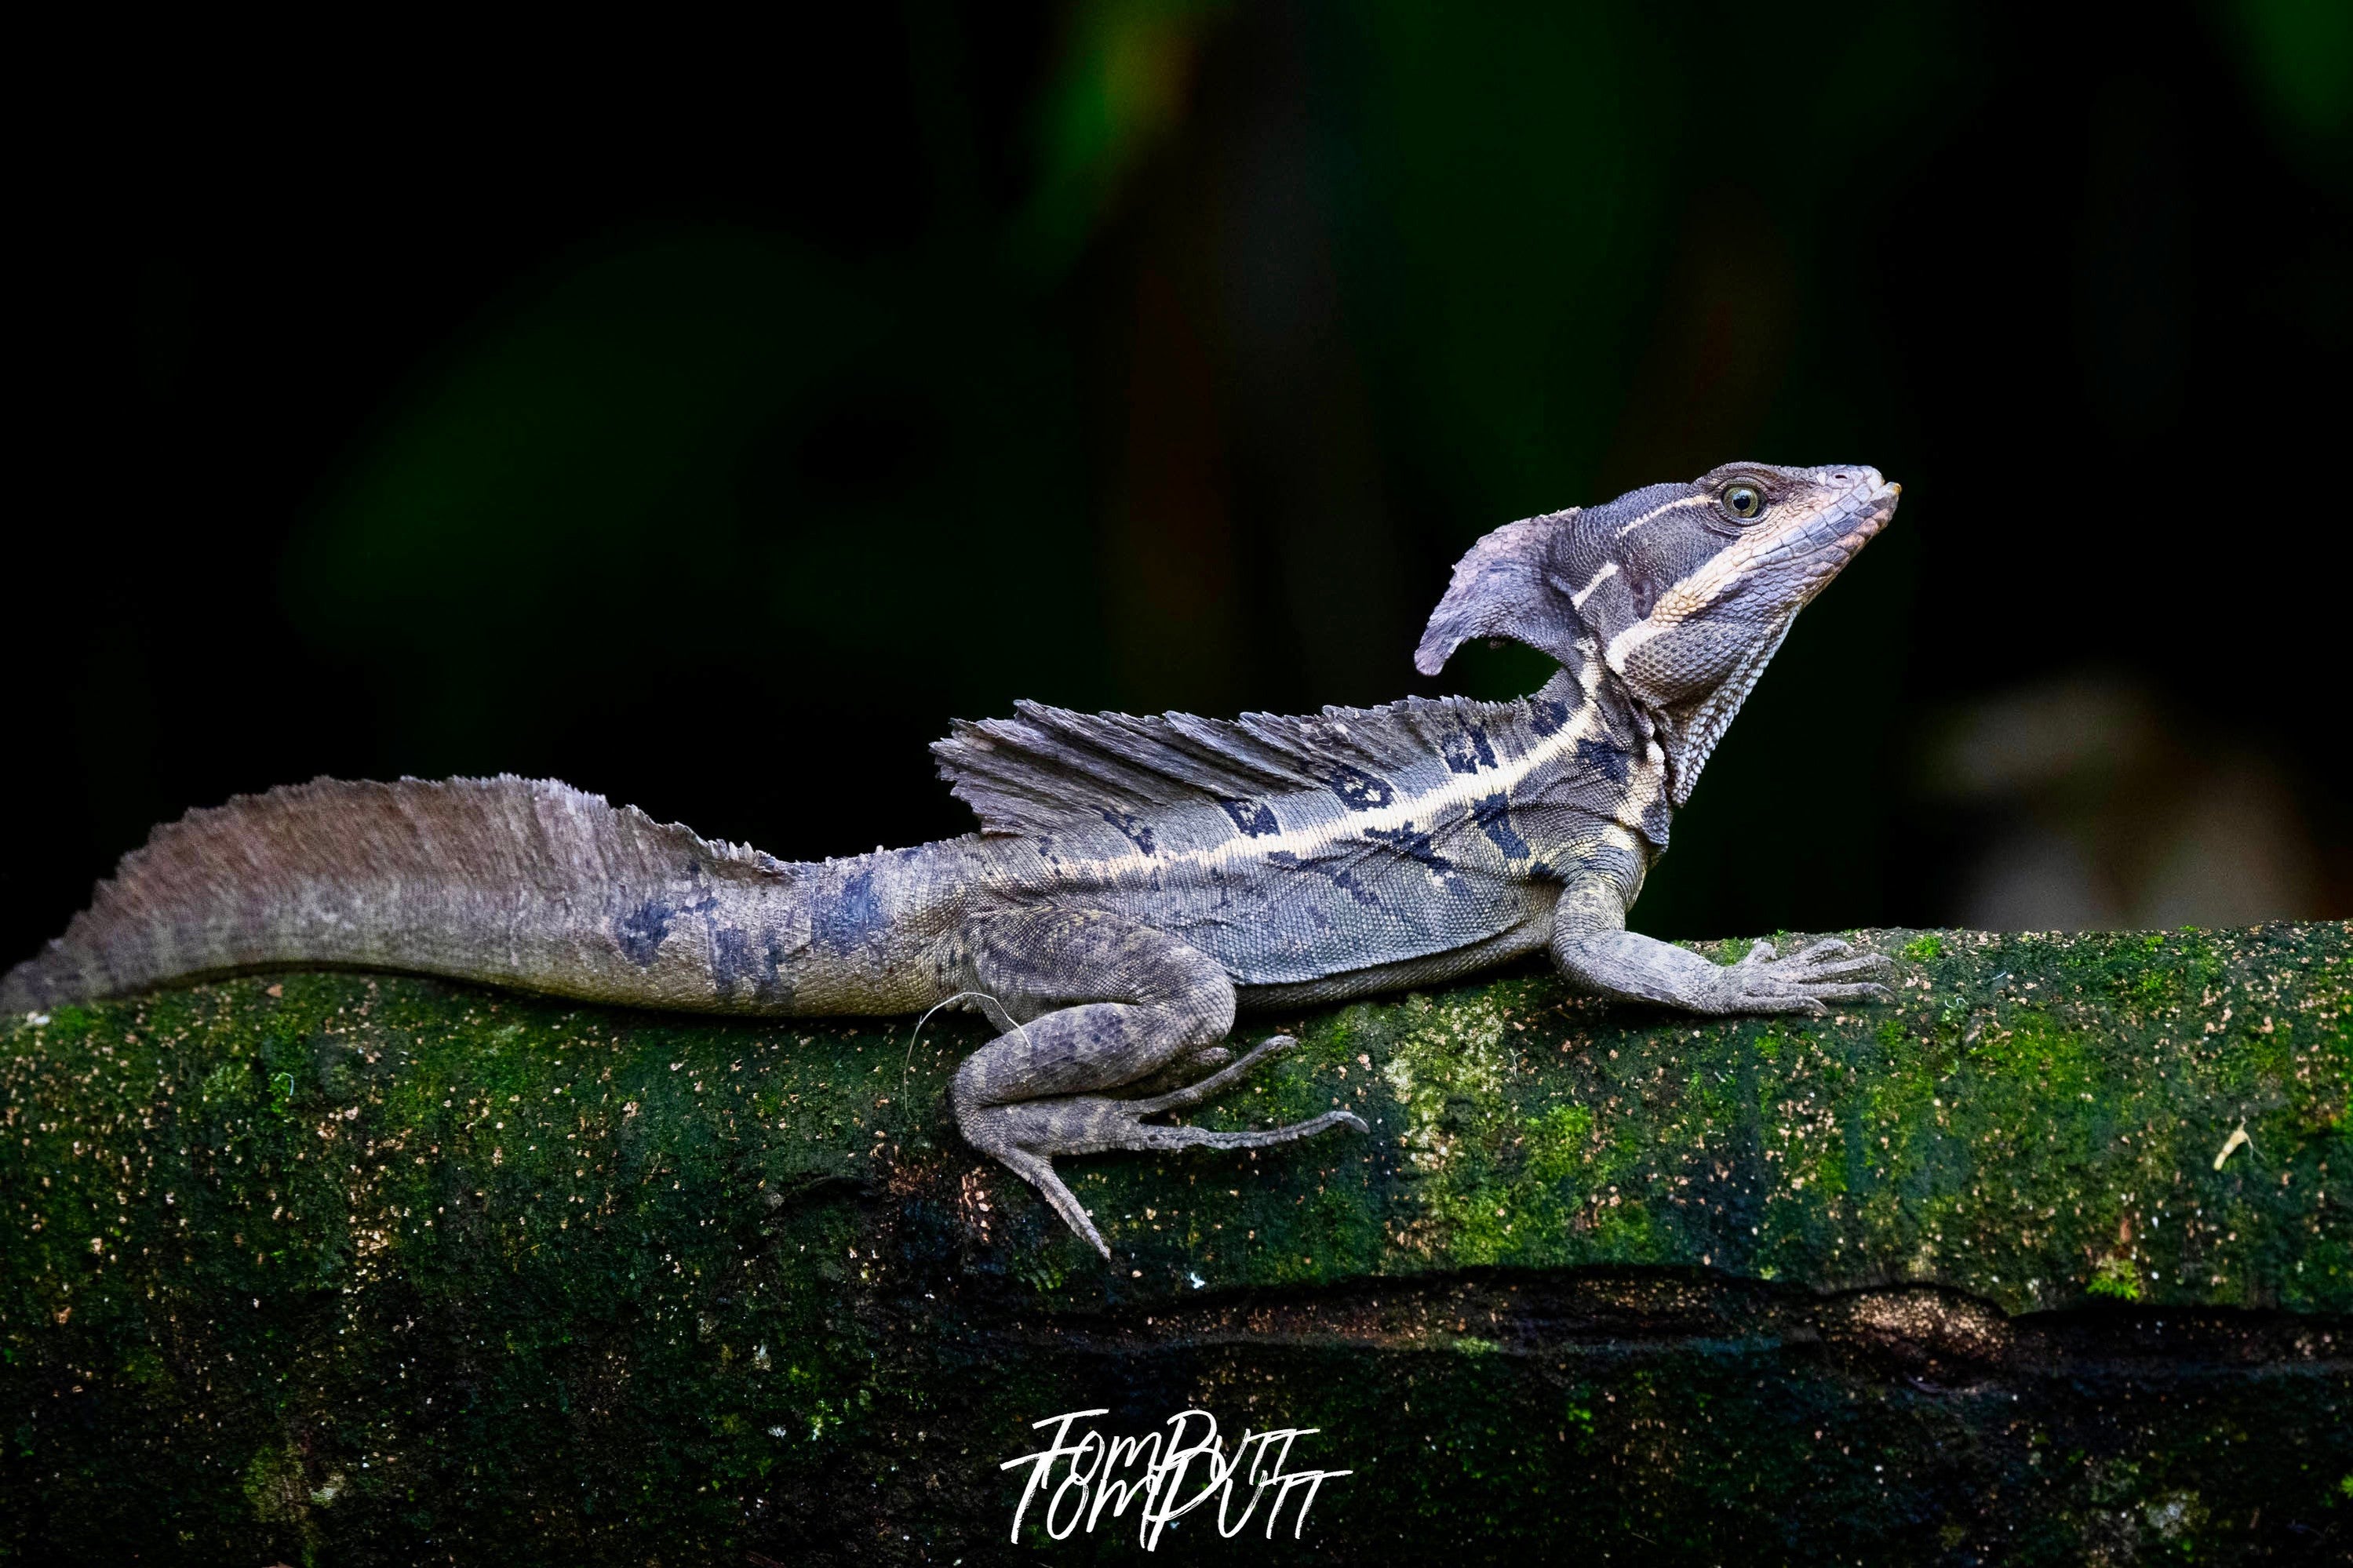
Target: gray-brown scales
point(1134, 879)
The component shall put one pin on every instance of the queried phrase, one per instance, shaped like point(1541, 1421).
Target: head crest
point(1501, 589)
point(1680, 592)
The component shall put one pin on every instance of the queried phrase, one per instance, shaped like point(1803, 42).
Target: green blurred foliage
point(2301, 55)
point(1118, 92)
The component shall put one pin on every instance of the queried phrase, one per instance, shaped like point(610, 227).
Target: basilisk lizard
point(1133, 879)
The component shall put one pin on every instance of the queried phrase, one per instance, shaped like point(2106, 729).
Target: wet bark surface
point(349, 1268)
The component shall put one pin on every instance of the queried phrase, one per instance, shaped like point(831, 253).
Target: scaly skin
point(1134, 879)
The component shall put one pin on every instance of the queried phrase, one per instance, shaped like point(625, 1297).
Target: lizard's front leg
point(1593, 948)
point(1100, 1002)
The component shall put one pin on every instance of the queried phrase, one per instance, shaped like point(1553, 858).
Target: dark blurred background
point(705, 417)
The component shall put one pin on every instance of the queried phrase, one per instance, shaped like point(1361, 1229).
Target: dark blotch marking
point(639, 932)
point(1138, 831)
point(1545, 717)
point(1254, 817)
point(1360, 790)
point(1466, 751)
point(741, 959)
point(1599, 756)
point(1415, 845)
point(1493, 815)
point(1348, 884)
point(1282, 858)
point(846, 920)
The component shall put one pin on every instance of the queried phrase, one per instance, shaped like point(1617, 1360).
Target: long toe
point(1039, 1173)
point(1762, 1001)
point(1867, 964)
point(1867, 992)
point(1267, 1136)
point(1217, 1083)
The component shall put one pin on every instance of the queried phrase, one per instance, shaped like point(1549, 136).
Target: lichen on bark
point(336, 1267)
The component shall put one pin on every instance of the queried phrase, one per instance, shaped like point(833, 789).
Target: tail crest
point(525, 882)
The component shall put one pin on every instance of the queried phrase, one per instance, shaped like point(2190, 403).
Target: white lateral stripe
point(1608, 570)
point(1459, 790)
point(1627, 641)
point(1659, 511)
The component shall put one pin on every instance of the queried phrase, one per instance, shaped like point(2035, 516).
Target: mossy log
point(358, 1269)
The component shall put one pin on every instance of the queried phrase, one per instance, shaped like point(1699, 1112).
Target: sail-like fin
point(431, 876)
point(1049, 767)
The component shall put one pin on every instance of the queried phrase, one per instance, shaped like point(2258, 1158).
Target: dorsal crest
point(1048, 768)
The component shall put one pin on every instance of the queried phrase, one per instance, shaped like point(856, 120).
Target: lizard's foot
point(1808, 982)
point(1027, 1135)
point(1638, 968)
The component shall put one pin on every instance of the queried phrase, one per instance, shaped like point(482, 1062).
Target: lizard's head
point(1683, 591)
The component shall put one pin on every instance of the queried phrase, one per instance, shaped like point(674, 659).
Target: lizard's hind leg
point(1102, 1002)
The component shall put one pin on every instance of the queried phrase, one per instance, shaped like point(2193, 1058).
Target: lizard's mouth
point(1878, 506)
point(1849, 525)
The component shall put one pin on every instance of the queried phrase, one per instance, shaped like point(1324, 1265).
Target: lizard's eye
point(1743, 501)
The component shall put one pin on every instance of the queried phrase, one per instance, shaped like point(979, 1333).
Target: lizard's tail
point(513, 881)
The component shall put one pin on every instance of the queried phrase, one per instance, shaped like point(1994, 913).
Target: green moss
point(2116, 1277)
point(320, 1256)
